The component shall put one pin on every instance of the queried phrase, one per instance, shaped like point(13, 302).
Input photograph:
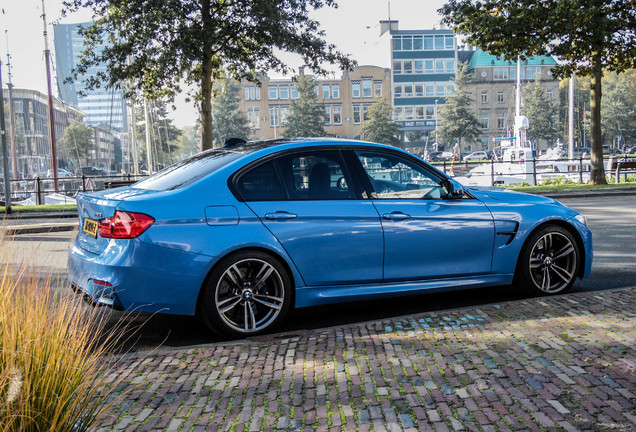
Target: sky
point(353, 27)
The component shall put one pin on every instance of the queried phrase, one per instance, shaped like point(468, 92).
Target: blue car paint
point(165, 268)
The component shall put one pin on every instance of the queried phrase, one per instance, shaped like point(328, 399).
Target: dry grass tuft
point(56, 373)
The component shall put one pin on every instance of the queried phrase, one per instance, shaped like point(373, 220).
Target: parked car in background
point(90, 171)
point(241, 234)
point(60, 173)
point(478, 155)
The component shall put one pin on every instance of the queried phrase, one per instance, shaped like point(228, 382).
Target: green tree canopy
point(456, 119)
point(618, 108)
point(229, 120)
point(380, 126)
point(586, 35)
point(306, 116)
point(541, 112)
point(77, 141)
point(153, 47)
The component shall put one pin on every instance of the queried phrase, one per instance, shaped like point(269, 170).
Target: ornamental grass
point(56, 372)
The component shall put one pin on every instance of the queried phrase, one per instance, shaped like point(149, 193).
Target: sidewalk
point(555, 363)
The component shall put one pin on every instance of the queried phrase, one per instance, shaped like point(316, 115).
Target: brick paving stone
point(557, 363)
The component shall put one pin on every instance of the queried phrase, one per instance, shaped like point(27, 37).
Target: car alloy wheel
point(247, 295)
point(550, 261)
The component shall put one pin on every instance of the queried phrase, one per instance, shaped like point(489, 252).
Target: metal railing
point(33, 191)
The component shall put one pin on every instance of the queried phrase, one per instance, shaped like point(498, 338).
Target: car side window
point(395, 177)
point(261, 184)
point(316, 175)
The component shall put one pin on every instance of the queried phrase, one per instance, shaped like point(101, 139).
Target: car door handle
point(280, 215)
point(396, 216)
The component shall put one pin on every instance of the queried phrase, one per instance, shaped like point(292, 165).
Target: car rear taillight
point(125, 225)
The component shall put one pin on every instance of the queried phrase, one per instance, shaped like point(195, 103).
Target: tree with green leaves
point(588, 36)
point(306, 116)
point(189, 142)
point(541, 112)
point(164, 136)
point(229, 120)
point(380, 126)
point(456, 119)
point(76, 142)
point(618, 108)
point(151, 48)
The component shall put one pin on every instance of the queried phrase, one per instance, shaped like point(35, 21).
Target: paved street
point(558, 363)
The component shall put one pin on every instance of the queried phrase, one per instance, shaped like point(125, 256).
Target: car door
point(426, 234)
point(331, 234)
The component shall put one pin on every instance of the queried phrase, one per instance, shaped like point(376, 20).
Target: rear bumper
point(134, 276)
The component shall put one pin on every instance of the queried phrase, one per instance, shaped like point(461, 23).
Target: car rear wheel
point(248, 293)
point(549, 261)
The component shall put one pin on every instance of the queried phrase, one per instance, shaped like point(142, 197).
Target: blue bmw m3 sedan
point(241, 234)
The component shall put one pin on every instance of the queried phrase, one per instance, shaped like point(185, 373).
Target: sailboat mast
point(47, 57)
point(14, 158)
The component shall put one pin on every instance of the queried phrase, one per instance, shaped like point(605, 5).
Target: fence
point(35, 191)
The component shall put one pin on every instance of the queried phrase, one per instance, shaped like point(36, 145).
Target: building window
point(408, 90)
point(316, 90)
point(327, 115)
point(439, 66)
point(365, 111)
point(428, 43)
point(419, 113)
point(500, 96)
point(397, 90)
point(440, 89)
point(377, 89)
point(253, 117)
point(337, 114)
point(450, 66)
point(484, 96)
point(429, 66)
point(284, 113)
point(501, 121)
point(326, 91)
point(397, 43)
point(356, 114)
point(407, 43)
point(294, 93)
point(418, 66)
point(430, 112)
point(283, 92)
point(419, 90)
point(408, 113)
point(407, 67)
point(449, 42)
point(450, 89)
point(439, 42)
point(430, 89)
point(273, 116)
point(397, 67)
point(550, 94)
point(398, 113)
point(252, 93)
point(335, 91)
point(499, 74)
point(483, 121)
point(355, 89)
point(367, 84)
point(417, 43)
point(273, 92)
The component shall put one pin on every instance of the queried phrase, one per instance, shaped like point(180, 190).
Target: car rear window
point(189, 170)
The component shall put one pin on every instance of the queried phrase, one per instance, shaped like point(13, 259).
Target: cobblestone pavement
point(556, 363)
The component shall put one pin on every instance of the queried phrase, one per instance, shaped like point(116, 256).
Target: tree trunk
point(597, 174)
point(206, 84)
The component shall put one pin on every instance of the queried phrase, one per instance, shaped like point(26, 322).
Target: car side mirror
point(453, 190)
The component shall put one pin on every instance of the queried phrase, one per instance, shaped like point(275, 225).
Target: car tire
point(549, 261)
point(248, 293)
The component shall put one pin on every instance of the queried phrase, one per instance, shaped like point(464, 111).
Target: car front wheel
point(549, 261)
point(248, 293)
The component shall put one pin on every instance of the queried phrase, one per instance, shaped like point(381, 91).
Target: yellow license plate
point(90, 227)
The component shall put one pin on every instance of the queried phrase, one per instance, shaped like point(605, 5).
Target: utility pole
point(5, 156)
point(47, 58)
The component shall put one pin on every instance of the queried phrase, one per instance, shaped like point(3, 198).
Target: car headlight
point(579, 217)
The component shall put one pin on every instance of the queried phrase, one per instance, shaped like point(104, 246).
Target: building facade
point(101, 106)
point(31, 129)
point(346, 101)
point(423, 68)
point(493, 93)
